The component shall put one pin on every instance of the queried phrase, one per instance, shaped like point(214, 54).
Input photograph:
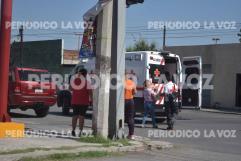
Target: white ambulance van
point(152, 65)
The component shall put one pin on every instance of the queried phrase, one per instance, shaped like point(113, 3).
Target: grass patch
point(124, 142)
point(95, 140)
point(105, 142)
point(66, 148)
point(70, 156)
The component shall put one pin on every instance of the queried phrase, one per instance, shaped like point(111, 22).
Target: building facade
point(224, 62)
point(48, 54)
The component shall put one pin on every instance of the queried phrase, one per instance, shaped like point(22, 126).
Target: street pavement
point(185, 149)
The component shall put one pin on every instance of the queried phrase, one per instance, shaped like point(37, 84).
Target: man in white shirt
point(170, 90)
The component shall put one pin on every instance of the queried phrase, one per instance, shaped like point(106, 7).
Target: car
point(64, 98)
point(33, 94)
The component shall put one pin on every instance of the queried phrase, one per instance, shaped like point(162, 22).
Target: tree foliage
point(142, 45)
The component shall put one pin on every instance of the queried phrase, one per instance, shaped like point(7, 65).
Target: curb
point(138, 145)
point(223, 112)
point(154, 145)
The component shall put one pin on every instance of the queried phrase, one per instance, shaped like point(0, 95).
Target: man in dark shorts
point(81, 99)
point(171, 91)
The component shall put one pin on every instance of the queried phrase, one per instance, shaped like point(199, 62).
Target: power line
point(189, 36)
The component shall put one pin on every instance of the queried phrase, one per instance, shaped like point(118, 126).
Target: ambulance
point(152, 65)
point(147, 65)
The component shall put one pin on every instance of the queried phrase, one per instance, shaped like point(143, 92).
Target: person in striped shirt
point(149, 103)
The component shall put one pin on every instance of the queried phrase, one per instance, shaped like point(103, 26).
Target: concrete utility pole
point(21, 45)
point(79, 37)
point(116, 111)
point(5, 37)
point(164, 38)
point(103, 68)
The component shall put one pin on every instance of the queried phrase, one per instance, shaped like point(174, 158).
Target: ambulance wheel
point(42, 112)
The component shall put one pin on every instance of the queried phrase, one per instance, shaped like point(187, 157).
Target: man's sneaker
point(73, 133)
point(142, 126)
point(80, 133)
point(131, 137)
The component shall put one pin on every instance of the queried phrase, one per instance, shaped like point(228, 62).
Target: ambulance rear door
point(156, 65)
point(192, 82)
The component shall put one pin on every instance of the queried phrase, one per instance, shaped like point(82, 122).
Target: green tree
point(142, 45)
point(239, 34)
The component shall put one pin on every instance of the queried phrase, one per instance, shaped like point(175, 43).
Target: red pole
point(5, 38)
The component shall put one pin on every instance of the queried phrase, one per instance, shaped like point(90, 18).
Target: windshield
point(35, 76)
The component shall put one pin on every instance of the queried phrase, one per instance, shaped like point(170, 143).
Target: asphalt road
point(216, 147)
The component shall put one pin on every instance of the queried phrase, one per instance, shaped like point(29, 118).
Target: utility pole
point(5, 37)
point(103, 68)
point(79, 37)
point(108, 112)
point(116, 111)
point(164, 38)
point(21, 45)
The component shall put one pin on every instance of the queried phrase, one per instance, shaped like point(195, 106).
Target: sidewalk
point(15, 149)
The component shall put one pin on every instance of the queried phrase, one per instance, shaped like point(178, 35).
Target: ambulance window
point(155, 72)
point(191, 62)
point(189, 72)
point(171, 61)
point(138, 57)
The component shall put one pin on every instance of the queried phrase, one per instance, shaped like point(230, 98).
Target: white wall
point(225, 60)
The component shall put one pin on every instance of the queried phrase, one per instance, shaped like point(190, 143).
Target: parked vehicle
point(30, 94)
point(64, 98)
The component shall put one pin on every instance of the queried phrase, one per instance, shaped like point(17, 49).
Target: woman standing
point(149, 103)
point(81, 98)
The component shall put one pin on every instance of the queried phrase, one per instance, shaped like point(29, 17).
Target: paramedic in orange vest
point(171, 91)
point(130, 91)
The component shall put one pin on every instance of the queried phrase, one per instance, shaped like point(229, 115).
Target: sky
point(224, 14)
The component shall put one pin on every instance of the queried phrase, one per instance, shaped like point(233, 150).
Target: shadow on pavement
point(87, 116)
point(20, 115)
